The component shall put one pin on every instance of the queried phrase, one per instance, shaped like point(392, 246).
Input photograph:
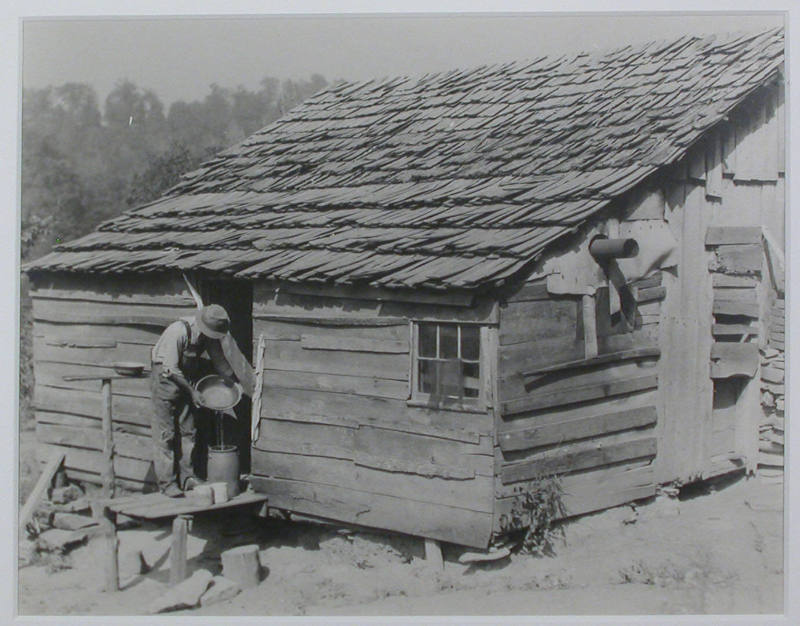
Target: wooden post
point(108, 441)
point(589, 326)
point(255, 418)
point(433, 553)
point(53, 465)
point(177, 554)
point(108, 521)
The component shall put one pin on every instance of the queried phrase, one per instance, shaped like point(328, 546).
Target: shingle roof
point(458, 179)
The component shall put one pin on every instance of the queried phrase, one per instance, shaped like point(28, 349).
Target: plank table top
point(156, 505)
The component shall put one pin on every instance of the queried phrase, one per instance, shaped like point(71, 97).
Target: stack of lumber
point(457, 179)
point(771, 428)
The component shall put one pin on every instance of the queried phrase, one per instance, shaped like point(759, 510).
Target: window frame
point(416, 397)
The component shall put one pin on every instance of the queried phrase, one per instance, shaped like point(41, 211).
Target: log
point(177, 554)
point(433, 554)
point(242, 566)
point(55, 462)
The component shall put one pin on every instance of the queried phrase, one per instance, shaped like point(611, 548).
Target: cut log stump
point(242, 565)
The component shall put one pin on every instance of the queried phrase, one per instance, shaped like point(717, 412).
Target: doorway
point(236, 297)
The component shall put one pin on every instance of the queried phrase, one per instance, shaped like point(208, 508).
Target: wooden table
point(155, 506)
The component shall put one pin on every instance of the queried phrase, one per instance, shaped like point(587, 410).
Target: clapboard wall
point(589, 420)
point(81, 326)
point(339, 436)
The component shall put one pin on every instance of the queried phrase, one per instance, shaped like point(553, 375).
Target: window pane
point(427, 376)
point(448, 341)
point(471, 370)
point(427, 340)
point(450, 379)
point(470, 393)
point(470, 343)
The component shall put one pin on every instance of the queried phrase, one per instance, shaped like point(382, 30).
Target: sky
point(180, 57)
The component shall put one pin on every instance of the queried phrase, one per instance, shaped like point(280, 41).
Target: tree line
point(83, 163)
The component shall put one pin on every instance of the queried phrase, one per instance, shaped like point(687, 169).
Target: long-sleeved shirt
point(175, 344)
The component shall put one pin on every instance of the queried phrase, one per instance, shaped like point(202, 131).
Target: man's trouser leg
point(167, 405)
point(185, 427)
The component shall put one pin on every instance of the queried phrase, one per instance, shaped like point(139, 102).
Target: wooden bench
point(154, 506)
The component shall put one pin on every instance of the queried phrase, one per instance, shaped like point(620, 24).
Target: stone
point(184, 595)
point(58, 540)
point(62, 495)
point(221, 589)
point(71, 521)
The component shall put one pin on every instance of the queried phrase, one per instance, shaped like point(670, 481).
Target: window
point(447, 367)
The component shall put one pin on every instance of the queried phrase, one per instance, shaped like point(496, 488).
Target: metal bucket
point(223, 467)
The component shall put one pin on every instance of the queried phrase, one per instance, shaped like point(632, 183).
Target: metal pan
point(218, 393)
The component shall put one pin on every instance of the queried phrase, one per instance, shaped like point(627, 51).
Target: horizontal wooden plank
point(102, 333)
point(419, 468)
point(738, 259)
point(474, 494)
point(82, 421)
point(87, 294)
point(728, 280)
point(562, 378)
point(743, 294)
point(483, 310)
point(735, 307)
point(100, 354)
point(278, 330)
point(572, 430)
point(654, 280)
point(529, 291)
point(291, 356)
point(601, 359)
point(579, 457)
point(319, 406)
point(124, 409)
point(92, 462)
point(358, 385)
point(433, 520)
point(67, 317)
point(540, 319)
point(650, 294)
point(343, 321)
point(518, 358)
point(125, 444)
point(303, 448)
point(415, 448)
point(48, 308)
point(52, 375)
point(732, 330)
point(305, 432)
point(718, 235)
point(354, 344)
point(453, 298)
point(593, 490)
point(578, 394)
point(158, 288)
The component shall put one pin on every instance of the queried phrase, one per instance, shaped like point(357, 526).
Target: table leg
point(180, 531)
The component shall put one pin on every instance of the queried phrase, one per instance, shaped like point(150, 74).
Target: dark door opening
point(236, 296)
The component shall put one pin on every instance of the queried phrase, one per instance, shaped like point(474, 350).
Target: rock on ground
point(221, 589)
point(185, 595)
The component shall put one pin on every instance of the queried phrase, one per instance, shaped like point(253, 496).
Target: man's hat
point(213, 321)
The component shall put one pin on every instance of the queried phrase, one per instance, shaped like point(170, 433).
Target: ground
point(718, 549)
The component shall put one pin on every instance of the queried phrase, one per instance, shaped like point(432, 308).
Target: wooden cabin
point(464, 283)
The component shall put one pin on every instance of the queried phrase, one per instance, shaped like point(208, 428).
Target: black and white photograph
point(410, 314)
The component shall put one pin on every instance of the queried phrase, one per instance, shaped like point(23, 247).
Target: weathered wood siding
point(590, 420)
point(81, 326)
point(338, 436)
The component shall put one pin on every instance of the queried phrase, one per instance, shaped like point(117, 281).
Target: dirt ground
point(718, 549)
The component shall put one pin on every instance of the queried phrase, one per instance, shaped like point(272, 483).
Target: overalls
point(173, 424)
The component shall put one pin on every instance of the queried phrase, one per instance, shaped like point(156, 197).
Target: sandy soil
point(717, 550)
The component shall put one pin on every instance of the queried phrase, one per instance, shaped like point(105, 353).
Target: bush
point(536, 510)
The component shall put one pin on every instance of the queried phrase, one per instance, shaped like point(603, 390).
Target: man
point(175, 368)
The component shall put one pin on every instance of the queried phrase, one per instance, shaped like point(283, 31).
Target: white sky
point(180, 57)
